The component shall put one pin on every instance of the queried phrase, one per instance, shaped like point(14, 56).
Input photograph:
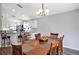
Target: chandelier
point(42, 11)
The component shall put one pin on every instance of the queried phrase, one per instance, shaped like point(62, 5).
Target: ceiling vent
point(19, 6)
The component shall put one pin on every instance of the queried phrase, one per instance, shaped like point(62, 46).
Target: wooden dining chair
point(54, 35)
point(61, 45)
point(54, 49)
point(24, 38)
point(37, 36)
point(16, 49)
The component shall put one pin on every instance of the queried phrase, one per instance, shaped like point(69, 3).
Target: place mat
point(30, 41)
point(26, 48)
point(37, 51)
point(55, 40)
point(45, 46)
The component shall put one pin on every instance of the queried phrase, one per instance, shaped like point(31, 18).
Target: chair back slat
point(61, 45)
point(37, 36)
point(54, 35)
point(53, 49)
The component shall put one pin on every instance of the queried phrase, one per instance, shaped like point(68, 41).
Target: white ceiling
point(29, 9)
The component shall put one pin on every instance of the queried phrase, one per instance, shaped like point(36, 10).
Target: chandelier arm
point(42, 6)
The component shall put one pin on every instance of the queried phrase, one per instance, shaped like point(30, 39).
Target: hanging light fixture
point(42, 11)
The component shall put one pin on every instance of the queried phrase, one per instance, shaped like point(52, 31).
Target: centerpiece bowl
point(43, 40)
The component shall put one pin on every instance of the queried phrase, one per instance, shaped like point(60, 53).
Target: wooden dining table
point(36, 51)
point(35, 47)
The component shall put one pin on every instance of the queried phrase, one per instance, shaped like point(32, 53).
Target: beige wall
point(66, 24)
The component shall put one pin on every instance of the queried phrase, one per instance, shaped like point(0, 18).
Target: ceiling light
point(15, 20)
point(23, 17)
point(42, 11)
point(13, 10)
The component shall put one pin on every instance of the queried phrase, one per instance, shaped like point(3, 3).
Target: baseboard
point(6, 46)
point(71, 48)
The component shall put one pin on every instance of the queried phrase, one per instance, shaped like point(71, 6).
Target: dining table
point(35, 47)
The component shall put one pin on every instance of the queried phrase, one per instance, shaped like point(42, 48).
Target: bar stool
point(19, 38)
point(5, 39)
point(8, 39)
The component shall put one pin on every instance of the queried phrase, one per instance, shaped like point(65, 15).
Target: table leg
point(4, 43)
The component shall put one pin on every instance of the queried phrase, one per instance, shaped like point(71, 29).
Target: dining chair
point(16, 49)
point(24, 38)
point(54, 49)
point(37, 36)
point(54, 35)
point(61, 45)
